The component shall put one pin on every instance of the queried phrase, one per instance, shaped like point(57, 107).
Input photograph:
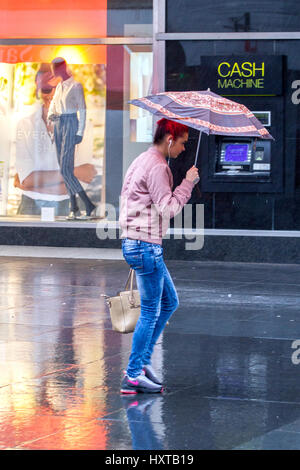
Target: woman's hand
point(192, 174)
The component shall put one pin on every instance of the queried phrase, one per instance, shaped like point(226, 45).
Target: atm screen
point(236, 153)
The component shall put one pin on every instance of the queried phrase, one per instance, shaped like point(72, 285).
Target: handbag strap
point(130, 279)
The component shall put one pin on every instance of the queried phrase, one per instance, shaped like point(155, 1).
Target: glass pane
point(53, 19)
point(75, 18)
point(129, 18)
point(128, 130)
point(31, 175)
point(31, 168)
point(273, 91)
point(188, 16)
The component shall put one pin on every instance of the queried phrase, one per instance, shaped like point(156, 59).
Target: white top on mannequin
point(68, 99)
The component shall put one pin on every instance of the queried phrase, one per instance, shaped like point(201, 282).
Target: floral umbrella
point(205, 111)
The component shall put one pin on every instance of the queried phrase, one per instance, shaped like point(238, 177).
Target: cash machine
point(245, 159)
point(243, 164)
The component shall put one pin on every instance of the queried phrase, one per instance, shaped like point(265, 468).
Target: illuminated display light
point(94, 54)
point(53, 19)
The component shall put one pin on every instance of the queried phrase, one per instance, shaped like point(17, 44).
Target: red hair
point(165, 127)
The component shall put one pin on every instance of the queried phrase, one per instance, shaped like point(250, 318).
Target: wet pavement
point(225, 359)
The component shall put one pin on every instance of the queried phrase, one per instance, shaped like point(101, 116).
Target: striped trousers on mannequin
point(65, 129)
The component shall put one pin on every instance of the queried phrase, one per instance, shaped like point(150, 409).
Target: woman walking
point(147, 204)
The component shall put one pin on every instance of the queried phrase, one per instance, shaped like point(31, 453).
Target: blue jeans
point(159, 299)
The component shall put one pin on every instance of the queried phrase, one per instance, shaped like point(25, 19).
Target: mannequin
point(67, 101)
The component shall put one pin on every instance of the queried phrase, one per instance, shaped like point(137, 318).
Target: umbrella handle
point(196, 180)
point(198, 146)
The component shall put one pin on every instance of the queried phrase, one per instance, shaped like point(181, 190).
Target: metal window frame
point(163, 36)
point(76, 41)
point(159, 46)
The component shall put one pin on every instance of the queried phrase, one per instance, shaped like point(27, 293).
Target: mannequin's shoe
point(89, 215)
point(91, 211)
point(89, 206)
point(74, 215)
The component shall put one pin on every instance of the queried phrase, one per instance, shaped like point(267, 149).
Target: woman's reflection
point(144, 432)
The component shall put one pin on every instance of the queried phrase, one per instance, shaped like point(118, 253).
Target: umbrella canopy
point(205, 111)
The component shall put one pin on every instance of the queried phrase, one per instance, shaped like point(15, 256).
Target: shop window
point(29, 168)
point(188, 16)
point(272, 90)
point(114, 133)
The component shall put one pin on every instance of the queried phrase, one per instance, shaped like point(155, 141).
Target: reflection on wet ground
point(225, 359)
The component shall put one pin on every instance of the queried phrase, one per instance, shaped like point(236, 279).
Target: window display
point(68, 135)
point(30, 171)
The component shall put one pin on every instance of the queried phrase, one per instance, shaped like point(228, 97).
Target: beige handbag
point(125, 308)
